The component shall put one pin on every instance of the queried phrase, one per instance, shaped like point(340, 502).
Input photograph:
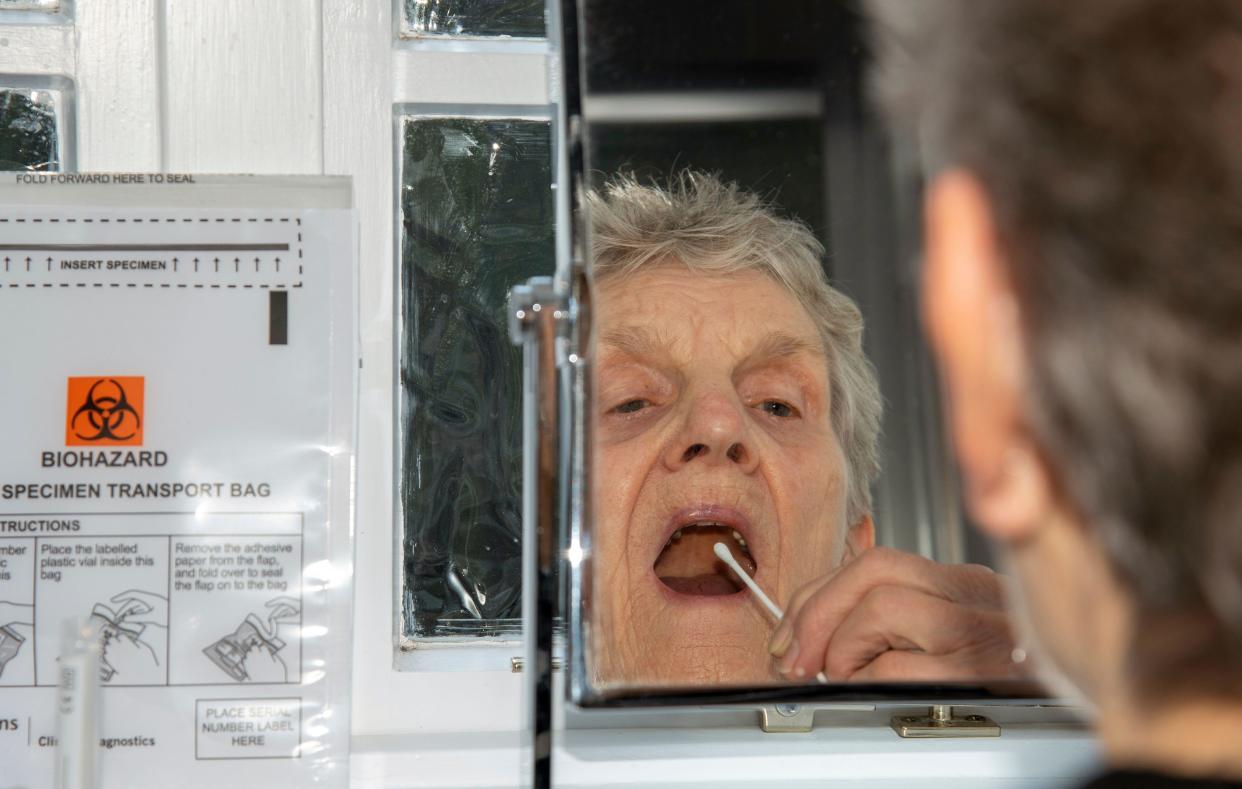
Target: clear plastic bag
point(180, 371)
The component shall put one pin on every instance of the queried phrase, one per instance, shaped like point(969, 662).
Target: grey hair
point(1108, 137)
point(717, 228)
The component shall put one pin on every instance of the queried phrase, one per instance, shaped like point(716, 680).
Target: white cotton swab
point(723, 553)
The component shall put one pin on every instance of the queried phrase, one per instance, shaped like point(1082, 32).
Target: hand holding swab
point(723, 553)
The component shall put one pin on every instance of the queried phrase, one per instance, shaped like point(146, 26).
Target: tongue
point(689, 565)
point(712, 584)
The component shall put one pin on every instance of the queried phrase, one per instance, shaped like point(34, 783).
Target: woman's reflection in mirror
point(734, 404)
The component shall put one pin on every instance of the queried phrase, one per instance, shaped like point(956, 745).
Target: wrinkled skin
point(712, 396)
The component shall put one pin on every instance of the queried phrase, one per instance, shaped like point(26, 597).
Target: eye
point(778, 409)
point(631, 406)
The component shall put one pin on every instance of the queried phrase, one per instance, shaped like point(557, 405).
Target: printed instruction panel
point(179, 370)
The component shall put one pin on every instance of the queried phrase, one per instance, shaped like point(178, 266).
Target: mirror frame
point(575, 395)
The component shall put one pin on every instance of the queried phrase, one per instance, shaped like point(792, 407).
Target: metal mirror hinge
point(940, 722)
point(533, 302)
point(516, 664)
point(786, 718)
point(793, 718)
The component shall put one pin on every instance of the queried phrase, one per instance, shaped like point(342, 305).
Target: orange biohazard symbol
point(104, 410)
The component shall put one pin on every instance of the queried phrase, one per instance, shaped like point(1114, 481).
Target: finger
point(900, 618)
point(282, 613)
point(288, 602)
point(135, 594)
point(150, 649)
point(131, 606)
point(778, 644)
point(826, 607)
point(138, 602)
point(16, 613)
point(900, 665)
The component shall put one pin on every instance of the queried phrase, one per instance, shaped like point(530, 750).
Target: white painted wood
point(118, 87)
point(36, 49)
point(702, 106)
point(449, 77)
point(242, 86)
point(357, 140)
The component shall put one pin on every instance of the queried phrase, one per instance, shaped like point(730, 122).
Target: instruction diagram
point(133, 637)
point(182, 361)
point(171, 607)
point(16, 625)
point(252, 652)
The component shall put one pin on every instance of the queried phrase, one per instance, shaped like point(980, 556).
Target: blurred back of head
point(1108, 137)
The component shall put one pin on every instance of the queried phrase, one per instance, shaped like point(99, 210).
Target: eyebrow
point(781, 345)
point(633, 340)
point(774, 346)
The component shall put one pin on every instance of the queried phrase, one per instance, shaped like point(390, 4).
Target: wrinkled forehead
point(647, 343)
point(680, 315)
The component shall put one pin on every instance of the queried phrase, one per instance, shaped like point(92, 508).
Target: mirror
point(745, 219)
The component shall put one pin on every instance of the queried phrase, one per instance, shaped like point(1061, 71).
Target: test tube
point(77, 707)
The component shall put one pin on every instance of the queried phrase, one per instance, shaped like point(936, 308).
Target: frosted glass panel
point(29, 130)
point(474, 18)
point(477, 218)
point(51, 6)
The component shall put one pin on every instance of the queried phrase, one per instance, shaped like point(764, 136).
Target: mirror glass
point(746, 218)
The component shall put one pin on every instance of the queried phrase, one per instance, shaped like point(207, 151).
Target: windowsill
point(456, 656)
point(503, 45)
point(849, 753)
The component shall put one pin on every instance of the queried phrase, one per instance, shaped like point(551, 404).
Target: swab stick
point(723, 553)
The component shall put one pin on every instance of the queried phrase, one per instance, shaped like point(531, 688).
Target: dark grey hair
point(717, 228)
point(1108, 136)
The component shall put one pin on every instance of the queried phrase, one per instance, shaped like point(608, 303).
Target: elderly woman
point(734, 404)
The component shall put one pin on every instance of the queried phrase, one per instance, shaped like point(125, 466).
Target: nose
point(713, 433)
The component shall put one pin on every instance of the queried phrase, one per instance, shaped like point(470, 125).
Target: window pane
point(29, 137)
point(781, 159)
point(477, 216)
point(474, 18)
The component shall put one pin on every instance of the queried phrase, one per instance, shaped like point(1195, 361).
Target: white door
point(294, 87)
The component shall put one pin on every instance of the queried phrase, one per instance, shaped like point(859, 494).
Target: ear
point(972, 317)
point(860, 537)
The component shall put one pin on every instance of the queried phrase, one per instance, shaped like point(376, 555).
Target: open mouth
point(689, 565)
